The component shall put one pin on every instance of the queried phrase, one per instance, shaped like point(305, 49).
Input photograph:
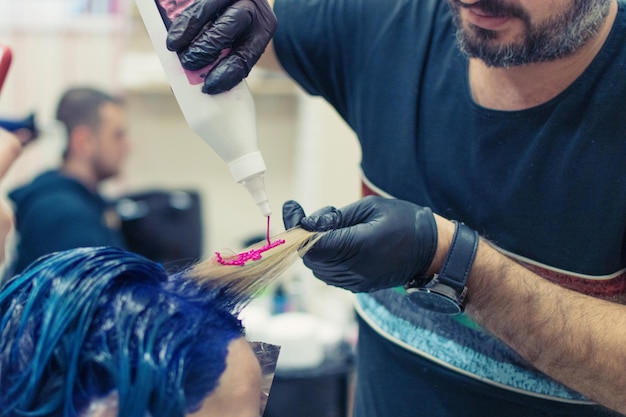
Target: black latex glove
point(371, 244)
point(206, 27)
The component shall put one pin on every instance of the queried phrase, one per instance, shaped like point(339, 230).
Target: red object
point(5, 62)
point(251, 255)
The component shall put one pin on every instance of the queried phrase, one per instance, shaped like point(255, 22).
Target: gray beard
point(557, 38)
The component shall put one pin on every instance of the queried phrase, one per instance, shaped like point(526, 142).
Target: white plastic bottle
point(226, 121)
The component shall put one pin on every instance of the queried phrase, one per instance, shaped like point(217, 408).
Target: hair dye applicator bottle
point(226, 121)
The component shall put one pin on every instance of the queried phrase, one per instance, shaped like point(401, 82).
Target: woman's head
point(81, 324)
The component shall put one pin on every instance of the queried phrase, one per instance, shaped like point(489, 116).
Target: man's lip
point(486, 21)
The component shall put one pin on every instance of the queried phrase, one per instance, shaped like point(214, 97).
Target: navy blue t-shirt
point(547, 185)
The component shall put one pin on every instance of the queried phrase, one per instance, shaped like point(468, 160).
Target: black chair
point(163, 225)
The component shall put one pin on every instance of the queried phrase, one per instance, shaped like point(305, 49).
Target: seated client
point(104, 332)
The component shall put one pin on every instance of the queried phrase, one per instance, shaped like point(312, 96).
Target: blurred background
point(310, 154)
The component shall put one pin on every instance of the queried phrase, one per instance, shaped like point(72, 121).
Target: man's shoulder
point(46, 181)
point(56, 202)
point(49, 184)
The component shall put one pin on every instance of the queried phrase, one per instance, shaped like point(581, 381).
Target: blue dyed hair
point(80, 324)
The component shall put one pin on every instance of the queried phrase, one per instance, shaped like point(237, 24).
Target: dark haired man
point(62, 208)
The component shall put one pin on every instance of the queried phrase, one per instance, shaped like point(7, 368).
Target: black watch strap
point(445, 292)
point(460, 257)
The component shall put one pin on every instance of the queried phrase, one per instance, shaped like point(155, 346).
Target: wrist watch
point(445, 292)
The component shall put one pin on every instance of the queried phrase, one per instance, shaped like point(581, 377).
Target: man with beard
point(502, 117)
point(62, 208)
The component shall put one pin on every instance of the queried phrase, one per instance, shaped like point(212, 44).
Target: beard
point(559, 36)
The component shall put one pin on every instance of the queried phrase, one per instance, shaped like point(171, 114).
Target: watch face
point(434, 301)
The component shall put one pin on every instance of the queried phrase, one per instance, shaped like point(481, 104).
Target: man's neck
point(81, 173)
point(527, 86)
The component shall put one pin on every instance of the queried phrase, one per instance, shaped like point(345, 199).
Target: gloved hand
point(371, 244)
point(207, 27)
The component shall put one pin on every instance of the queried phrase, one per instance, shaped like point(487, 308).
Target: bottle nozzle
point(248, 170)
point(256, 187)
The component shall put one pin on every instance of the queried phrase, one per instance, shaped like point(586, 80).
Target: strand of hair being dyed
point(243, 281)
point(252, 254)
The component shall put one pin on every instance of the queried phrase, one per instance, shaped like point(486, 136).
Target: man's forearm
point(576, 339)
